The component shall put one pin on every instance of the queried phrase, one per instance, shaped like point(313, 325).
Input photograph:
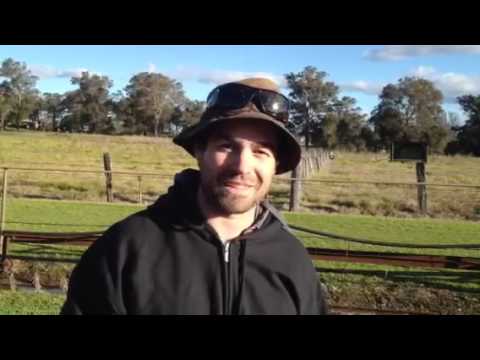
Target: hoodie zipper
point(226, 258)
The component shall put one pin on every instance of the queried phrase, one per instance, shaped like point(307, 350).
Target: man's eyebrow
point(223, 136)
point(227, 137)
point(267, 144)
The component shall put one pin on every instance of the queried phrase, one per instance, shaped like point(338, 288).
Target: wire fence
point(322, 194)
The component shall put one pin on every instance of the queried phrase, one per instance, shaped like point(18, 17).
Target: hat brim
point(289, 153)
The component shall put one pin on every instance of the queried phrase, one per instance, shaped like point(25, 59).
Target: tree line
point(153, 104)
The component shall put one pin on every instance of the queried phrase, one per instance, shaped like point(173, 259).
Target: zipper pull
point(226, 251)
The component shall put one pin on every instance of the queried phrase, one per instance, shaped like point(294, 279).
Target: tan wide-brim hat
point(289, 150)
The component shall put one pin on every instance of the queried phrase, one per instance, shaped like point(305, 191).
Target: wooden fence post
point(3, 209)
point(36, 281)
point(140, 194)
point(4, 263)
point(12, 282)
point(421, 189)
point(107, 163)
point(296, 188)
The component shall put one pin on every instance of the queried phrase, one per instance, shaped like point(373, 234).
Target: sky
point(361, 71)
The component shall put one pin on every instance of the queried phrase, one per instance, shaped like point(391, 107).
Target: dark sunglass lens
point(234, 96)
point(231, 96)
point(273, 103)
point(212, 98)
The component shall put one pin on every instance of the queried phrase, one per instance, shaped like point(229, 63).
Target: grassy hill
point(161, 156)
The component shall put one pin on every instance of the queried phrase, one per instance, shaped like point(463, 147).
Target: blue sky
point(360, 70)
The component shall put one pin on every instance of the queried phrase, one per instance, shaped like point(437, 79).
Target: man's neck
point(227, 226)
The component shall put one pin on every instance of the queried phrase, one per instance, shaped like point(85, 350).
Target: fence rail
point(367, 257)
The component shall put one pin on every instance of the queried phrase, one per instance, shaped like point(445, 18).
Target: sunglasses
point(237, 96)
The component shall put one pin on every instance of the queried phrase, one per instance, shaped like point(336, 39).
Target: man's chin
point(235, 205)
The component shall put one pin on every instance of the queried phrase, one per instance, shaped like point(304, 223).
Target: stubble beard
point(222, 201)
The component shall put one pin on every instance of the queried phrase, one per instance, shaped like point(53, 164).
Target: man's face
point(237, 166)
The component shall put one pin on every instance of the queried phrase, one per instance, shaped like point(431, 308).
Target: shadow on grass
point(123, 198)
point(34, 196)
point(443, 279)
point(48, 251)
point(327, 209)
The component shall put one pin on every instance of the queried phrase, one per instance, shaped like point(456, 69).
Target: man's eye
point(263, 152)
point(225, 146)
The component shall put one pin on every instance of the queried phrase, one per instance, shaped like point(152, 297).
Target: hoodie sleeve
point(95, 284)
point(317, 304)
point(314, 295)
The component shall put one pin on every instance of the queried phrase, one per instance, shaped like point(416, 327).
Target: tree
point(89, 105)
point(5, 106)
point(350, 122)
point(410, 111)
point(188, 114)
point(20, 86)
point(36, 121)
point(154, 98)
point(123, 110)
point(469, 134)
point(53, 104)
point(312, 98)
point(370, 138)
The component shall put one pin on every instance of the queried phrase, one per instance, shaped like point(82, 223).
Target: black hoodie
point(167, 260)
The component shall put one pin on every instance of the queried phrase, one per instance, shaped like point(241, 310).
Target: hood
point(180, 204)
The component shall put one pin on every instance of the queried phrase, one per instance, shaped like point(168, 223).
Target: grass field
point(336, 208)
point(73, 151)
point(161, 156)
point(349, 284)
point(29, 303)
point(395, 200)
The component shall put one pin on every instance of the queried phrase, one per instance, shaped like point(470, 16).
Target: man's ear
point(198, 150)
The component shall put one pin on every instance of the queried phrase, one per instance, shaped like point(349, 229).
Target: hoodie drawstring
point(238, 300)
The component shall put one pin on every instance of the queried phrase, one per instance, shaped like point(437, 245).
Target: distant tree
point(370, 138)
point(468, 135)
point(53, 104)
point(36, 122)
point(20, 87)
point(123, 110)
point(350, 124)
point(153, 98)
point(410, 111)
point(312, 98)
point(5, 105)
point(89, 105)
point(188, 114)
point(324, 134)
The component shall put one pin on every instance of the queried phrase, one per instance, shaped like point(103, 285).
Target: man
point(212, 244)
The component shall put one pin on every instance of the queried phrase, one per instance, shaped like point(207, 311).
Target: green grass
point(390, 200)
point(346, 281)
point(389, 229)
point(64, 216)
point(29, 303)
point(343, 209)
point(85, 152)
point(160, 155)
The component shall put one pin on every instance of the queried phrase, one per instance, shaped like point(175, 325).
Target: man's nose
point(242, 161)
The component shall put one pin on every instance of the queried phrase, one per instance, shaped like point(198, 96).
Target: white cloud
point(400, 52)
point(217, 77)
point(152, 68)
point(451, 84)
point(424, 71)
point(47, 72)
point(363, 87)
